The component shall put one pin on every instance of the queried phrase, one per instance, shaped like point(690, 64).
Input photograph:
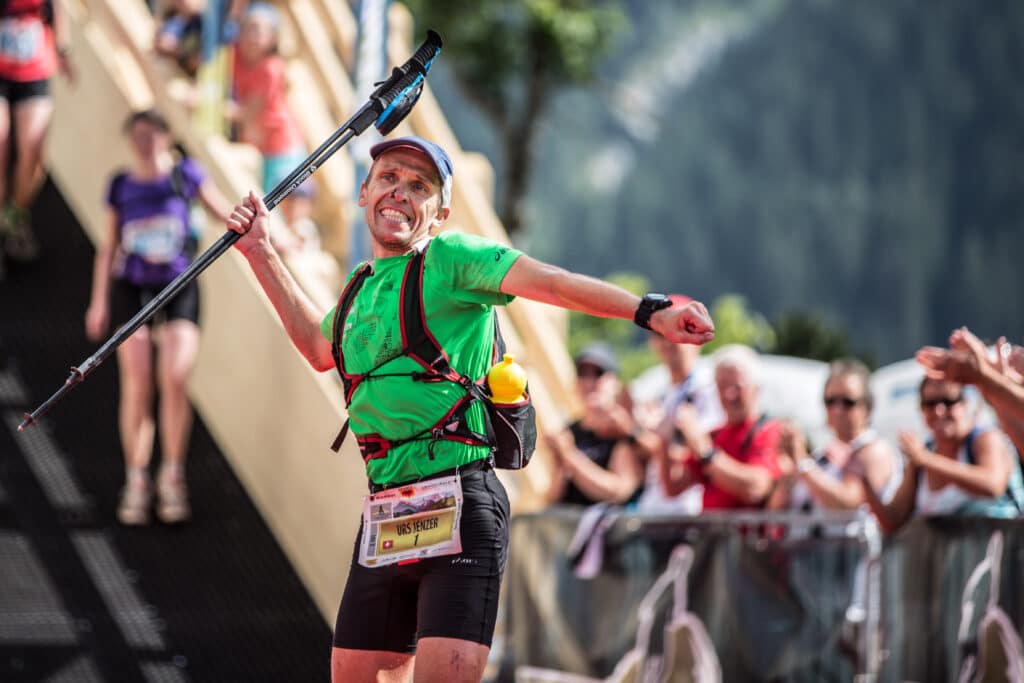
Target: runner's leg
point(449, 660)
point(32, 120)
point(370, 666)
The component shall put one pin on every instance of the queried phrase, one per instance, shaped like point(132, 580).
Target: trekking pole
point(386, 107)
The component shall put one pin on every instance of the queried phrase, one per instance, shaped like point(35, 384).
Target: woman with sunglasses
point(595, 460)
point(829, 478)
point(963, 470)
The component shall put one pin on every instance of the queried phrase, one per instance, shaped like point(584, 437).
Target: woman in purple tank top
point(148, 244)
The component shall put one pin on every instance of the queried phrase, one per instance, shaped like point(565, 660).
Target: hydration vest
point(511, 431)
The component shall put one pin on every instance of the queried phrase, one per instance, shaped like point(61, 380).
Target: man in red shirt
point(737, 463)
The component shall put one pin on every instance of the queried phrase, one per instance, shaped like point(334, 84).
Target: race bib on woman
point(413, 522)
point(156, 239)
point(20, 39)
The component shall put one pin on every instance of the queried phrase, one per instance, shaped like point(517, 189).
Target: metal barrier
point(787, 596)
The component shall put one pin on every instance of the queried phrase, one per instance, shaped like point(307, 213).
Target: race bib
point(156, 239)
point(412, 522)
point(20, 39)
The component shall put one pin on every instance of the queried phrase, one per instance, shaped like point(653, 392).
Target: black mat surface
point(83, 598)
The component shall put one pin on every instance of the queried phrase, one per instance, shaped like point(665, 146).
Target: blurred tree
point(806, 334)
point(736, 324)
point(511, 57)
point(856, 159)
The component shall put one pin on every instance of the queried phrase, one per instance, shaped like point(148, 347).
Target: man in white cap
point(431, 616)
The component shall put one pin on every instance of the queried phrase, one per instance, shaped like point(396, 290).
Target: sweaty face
point(402, 199)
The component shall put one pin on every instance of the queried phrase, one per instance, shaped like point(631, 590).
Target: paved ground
point(83, 599)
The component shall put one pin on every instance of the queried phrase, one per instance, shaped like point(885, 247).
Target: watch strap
point(649, 304)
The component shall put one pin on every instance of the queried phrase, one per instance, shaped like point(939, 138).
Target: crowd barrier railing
point(763, 597)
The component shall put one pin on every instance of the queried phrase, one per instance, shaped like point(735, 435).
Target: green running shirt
point(461, 279)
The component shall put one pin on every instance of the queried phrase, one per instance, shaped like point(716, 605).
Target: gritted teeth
point(393, 214)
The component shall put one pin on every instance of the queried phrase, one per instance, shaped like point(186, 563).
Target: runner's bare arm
point(300, 317)
point(538, 281)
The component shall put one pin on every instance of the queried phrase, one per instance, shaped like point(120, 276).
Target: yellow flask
point(507, 380)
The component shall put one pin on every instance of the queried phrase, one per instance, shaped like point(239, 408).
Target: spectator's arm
point(894, 514)
point(613, 485)
point(848, 493)
point(751, 483)
point(1004, 395)
point(752, 479)
point(842, 494)
point(674, 473)
point(1014, 429)
point(967, 361)
point(782, 493)
point(556, 442)
point(791, 449)
point(988, 478)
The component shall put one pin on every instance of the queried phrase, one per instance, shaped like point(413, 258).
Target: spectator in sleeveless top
point(656, 421)
point(829, 478)
point(594, 461)
point(738, 462)
point(146, 247)
point(962, 470)
point(999, 377)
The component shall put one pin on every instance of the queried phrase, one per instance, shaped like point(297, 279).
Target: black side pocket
point(515, 433)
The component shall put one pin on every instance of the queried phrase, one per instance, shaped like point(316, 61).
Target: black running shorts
point(18, 91)
point(454, 596)
point(127, 299)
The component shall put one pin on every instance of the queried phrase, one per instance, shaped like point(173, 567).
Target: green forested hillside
point(864, 160)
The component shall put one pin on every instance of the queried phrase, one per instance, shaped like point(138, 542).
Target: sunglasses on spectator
point(947, 402)
point(589, 372)
point(844, 401)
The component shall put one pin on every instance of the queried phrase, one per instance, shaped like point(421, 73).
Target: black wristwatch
point(648, 305)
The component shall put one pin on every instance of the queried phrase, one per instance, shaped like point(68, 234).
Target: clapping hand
point(688, 424)
point(912, 447)
point(792, 442)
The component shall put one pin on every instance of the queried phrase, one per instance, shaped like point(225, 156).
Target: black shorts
point(127, 299)
point(454, 596)
point(16, 91)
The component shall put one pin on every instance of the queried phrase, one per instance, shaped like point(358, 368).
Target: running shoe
point(172, 501)
point(133, 509)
